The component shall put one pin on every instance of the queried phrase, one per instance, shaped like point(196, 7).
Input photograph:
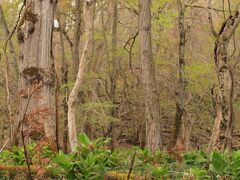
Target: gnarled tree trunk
point(224, 94)
point(35, 30)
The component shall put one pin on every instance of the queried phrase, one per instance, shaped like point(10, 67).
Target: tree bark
point(153, 123)
point(35, 31)
point(224, 93)
point(76, 37)
point(72, 101)
point(64, 82)
point(114, 69)
point(181, 92)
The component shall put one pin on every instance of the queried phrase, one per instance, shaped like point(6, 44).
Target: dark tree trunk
point(181, 90)
point(224, 92)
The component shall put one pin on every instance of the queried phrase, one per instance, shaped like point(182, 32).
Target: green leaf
point(84, 140)
point(219, 162)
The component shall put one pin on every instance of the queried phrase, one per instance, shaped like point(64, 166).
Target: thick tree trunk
point(180, 94)
point(76, 37)
point(36, 68)
point(153, 123)
point(224, 93)
point(88, 18)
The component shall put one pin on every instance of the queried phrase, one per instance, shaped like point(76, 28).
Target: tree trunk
point(153, 123)
point(35, 31)
point(88, 18)
point(114, 69)
point(76, 37)
point(64, 82)
point(180, 94)
point(224, 93)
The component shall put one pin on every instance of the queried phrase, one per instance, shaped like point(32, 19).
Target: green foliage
point(90, 161)
point(15, 156)
point(196, 159)
point(225, 165)
point(197, 173)
point(160, 172)
point(198, 75)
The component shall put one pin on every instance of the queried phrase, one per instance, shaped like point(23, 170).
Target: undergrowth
point(92, 160)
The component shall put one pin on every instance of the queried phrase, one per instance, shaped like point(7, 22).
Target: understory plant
point(91, 160)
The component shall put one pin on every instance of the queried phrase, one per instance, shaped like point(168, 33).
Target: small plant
point(90, 161)
point(15, 155)
point(160, 172)
point(225, 165)
point(196, 159)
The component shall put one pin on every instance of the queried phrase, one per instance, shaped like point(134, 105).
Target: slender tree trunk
point(64, 81)
point(88, 18)
point(76, 37)
point(180, 94)
point(224, 93)
point(114, 68)
point(10, 43)
point(153, 123)
point(35, 31)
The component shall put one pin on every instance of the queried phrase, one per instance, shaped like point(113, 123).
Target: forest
point(119, 89)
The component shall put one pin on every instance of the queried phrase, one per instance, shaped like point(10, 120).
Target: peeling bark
point(224, 94)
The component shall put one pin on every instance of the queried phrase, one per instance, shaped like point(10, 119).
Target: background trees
point(139, 60)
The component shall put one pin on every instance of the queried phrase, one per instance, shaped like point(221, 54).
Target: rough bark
point(72, 101)
point(36, 68)
point(76, 37)
point(224, 94)
point(153, 123)
point(181, 91)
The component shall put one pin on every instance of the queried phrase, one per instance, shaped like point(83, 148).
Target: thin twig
point(133, 39)
point(4, 145)
point(131, 167)
point(204, 7)
point(16, 25)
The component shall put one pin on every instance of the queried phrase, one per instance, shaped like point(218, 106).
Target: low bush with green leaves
point(15, 155)
point(91, 160)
